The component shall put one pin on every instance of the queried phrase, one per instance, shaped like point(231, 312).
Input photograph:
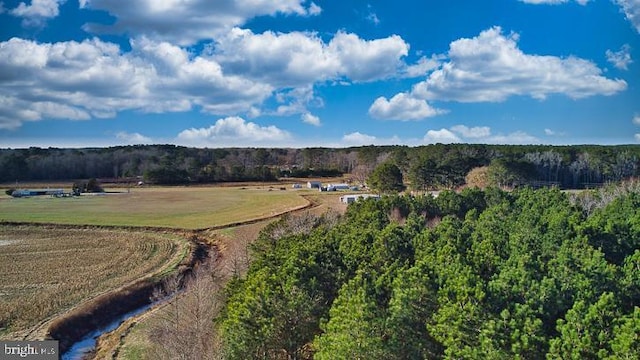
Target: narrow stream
point(83, 347)
point(80, 349)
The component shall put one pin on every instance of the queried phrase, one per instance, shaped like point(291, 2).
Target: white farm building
point(336, 187)
point(348, 199)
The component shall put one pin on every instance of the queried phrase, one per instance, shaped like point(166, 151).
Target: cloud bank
point(231, 130)
point(186, 22)
point(491, 68)
point(38, 12)
point(631, 10)
point(94, 78)
point(479, 134)
point(402, 107)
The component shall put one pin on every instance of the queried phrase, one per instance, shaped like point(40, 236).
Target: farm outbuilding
point(314, 184)
point(348, 199)
point(335, 187)
point(29, 193)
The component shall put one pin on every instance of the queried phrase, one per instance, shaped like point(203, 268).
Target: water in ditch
point(83, 347)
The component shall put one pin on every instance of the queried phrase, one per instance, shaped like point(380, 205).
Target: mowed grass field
point(179, 207)
point(46, 270)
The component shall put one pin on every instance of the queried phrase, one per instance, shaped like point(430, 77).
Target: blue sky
point(298, 73)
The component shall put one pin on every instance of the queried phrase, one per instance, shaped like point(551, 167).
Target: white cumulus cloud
point(631, 10)
point(367, 60)
point(288, 60)
point(93, 78)
point(442, 136)
point(423, 66)
point(38, 8)
point(357, 138)
point(295, 61)
point(133, 138)
point(402, 107)
point(186, 22)
point(636, 119)
point(491, 68)
point(310, 119)
point(550, 132)
point(473, 132)
point(38, 11)
point(234, 76)
point(295, 101)
point(234, 131)
point(14, 111)
point(299, 58)
point(360, 139)
point(514, 138)
point(480, 134)
point(314, 9)
point(620, 59)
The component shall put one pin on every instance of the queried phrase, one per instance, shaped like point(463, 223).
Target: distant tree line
point(169, 164)
point(439, 166)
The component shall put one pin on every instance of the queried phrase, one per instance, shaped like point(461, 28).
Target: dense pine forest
point(426, 167)
point(528, 274)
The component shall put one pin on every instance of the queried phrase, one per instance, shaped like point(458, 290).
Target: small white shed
point(336, 187)
point(348, 199)
point(314, 184)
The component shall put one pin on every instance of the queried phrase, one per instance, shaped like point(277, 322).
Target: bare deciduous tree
point(184, 328)
point(238, 255)
point(360, 173)
point(592, 200)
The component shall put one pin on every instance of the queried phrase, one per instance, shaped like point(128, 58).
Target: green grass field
point(187, 208)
